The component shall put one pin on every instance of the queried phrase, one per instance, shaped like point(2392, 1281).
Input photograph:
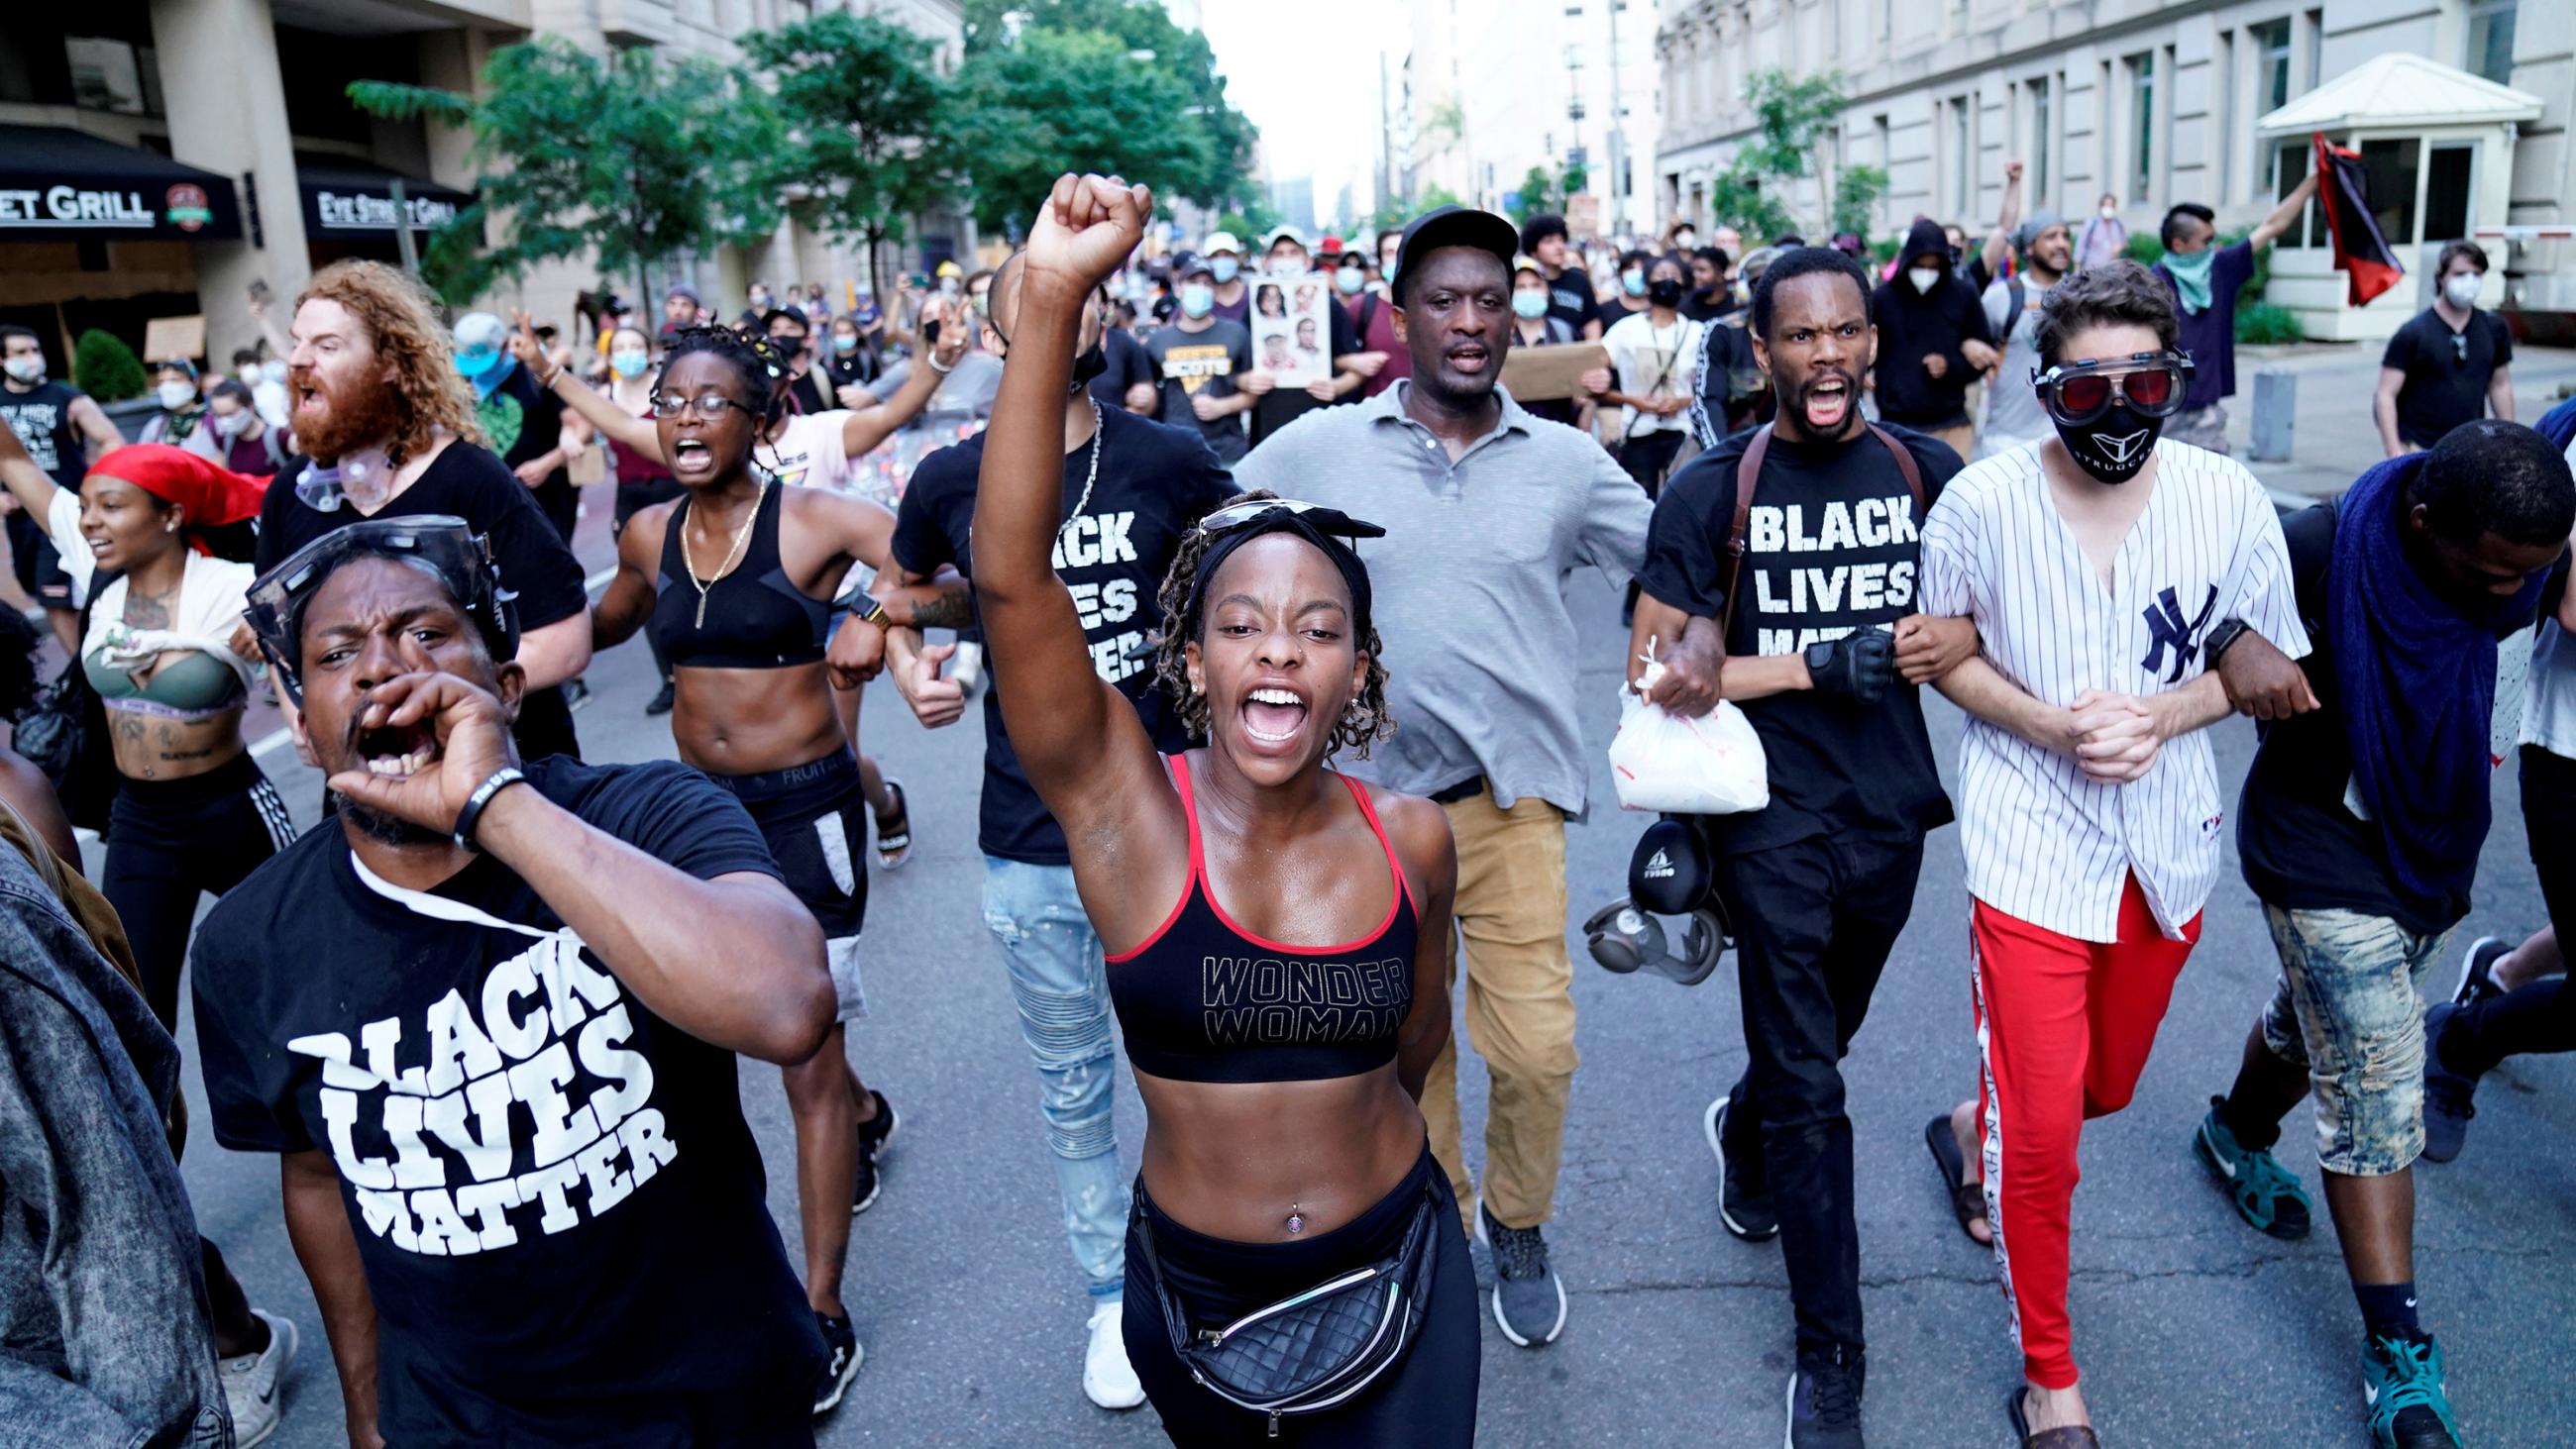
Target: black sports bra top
point(1204, 1000)
point(756, 617)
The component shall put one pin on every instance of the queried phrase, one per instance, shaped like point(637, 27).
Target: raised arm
point(600, 412)
point(2284, 216)
point(867, 427)
point(32, 486)
point(1999, 241)
point(1082, 744)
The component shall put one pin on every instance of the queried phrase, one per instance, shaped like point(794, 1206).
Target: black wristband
point(472, 815)
point(2220, 636)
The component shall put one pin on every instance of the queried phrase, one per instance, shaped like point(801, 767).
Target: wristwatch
point(2223, 634)
point(868, 611)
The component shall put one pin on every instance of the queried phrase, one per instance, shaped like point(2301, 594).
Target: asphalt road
point(2192, 1328)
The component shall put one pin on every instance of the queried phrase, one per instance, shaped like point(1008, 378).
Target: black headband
point(1322, 527)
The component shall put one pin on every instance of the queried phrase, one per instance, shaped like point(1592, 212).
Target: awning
point(2401, 90)
point(345, 198)
point(58, 184)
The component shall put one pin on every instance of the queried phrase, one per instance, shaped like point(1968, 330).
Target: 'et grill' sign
point(57, 206)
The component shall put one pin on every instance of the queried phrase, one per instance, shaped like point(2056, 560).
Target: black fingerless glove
point(1856, 667)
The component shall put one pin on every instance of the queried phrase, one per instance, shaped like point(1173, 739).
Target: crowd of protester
point(487, 1014)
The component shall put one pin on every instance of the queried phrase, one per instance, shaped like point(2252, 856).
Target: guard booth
point(2437, 144)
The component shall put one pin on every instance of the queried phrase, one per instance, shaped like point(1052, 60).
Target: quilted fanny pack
point(1313, 1350)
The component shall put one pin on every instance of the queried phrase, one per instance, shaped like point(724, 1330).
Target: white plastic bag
point(1712, 765)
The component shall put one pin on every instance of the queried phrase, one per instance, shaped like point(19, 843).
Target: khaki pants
point(1520, 1006)
point(1962, 439)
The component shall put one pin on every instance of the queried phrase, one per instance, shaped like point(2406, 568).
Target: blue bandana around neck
point(2417, 675)
point(2190, 275)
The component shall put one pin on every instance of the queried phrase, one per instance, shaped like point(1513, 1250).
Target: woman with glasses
point(1294, 1262)
point(2128, 591)
point(737, 581)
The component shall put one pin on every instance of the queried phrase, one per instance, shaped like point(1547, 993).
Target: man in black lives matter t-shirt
point(1824, 651)
point(1132, 489)
point(376, 402)
point(489, 1022)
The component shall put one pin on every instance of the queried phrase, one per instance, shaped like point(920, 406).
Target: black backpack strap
point(1748, 476)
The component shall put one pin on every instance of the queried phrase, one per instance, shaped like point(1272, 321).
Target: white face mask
point(1923, 278)
point(2463, 289)
point(28, 370)
point(1685, 240)
point(2110, 212)
point(248, 372)
point(176, 395)
point(231, 424)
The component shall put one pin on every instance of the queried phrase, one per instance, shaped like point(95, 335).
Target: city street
point(2193, 1329)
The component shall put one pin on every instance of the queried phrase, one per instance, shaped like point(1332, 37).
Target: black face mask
point(1664, 292)
point(1088, 364)
point(2114, 447)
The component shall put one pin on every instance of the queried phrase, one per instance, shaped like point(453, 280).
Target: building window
point(2142, 124)
point(2041, 130)
point(2290, 160)
point(2391, 167)
point(1961, 161)
point(2447, 170)
point(2272, 43)
point(2491, 39)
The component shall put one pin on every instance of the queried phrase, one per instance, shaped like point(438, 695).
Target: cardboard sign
point(168, 338)
point(1542, 373)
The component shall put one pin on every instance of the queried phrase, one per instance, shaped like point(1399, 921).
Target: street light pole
point(1618, 132)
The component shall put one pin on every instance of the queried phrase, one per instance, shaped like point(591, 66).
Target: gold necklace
point(741, 536)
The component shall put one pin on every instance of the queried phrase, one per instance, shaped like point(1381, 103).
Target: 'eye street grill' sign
point(58, 184)
point(368, 211)
point(74, 206)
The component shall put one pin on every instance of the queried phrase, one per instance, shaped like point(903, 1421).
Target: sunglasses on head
point(2081, 392)
point(1331, 521)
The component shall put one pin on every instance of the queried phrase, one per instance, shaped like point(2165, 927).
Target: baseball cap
point(1220, 241)
point(481, 343)
point(680, 289)
point(1329, 248)
point(1453, 226)
point(1193, 265)
point(1280, 234)
point(950, 269)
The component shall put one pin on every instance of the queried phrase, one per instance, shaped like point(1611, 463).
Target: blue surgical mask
point(1197, 299)
point(1633, 282)
point(1223, 269)
point(1349, 281)
point(1529, 306)
point(844, 342)
point(628, 364)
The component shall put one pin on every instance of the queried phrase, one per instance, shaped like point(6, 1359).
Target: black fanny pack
point(1314, 1350)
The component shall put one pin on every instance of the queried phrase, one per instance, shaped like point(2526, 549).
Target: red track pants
point(2064, 1027)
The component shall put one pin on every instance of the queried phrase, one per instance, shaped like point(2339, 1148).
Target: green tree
point(1794, 122)
point(105, 368)
point(1064, 98)
point(1538, 193)
point(1220, 138)
point(867, 139)
point(631, 159)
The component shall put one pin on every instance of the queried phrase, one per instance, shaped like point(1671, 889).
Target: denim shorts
point(2350, 1011)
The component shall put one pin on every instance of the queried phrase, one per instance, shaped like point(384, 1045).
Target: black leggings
point(2540, 1017)
point(169, 841)
point(1429, 1399)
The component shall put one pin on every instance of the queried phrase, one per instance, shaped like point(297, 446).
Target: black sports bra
point(1204, 1000)
point(756, 617)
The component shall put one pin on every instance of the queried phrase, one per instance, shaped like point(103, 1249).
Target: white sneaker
point(1106, 1376)
point(251, 1382)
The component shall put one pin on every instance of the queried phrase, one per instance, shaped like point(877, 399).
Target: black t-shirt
point(1128, 366)
point(1206, 361)
point(1831, 547)
point(2302, 847)
point(525, 421)
point(1569, 300)
point(2446, 372)
point(1914, 325)
point(561, 1214)
point(1708, 306)
point(1281, 406)
point(1155, 481)
point(807, 391)
point(472, 484)
point(42, 418)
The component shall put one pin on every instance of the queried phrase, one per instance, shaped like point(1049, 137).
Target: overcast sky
point(1310, 83)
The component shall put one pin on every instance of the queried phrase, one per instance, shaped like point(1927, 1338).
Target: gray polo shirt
point(1481, 658)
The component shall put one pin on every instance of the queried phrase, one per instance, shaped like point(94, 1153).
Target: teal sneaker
point(2402, 1384)
point(2263, 1192)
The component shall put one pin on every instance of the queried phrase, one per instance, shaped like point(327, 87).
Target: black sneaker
point(1743, 1198)
point(576, 693)
point(841, 1367)
point(874, 1134)
point(1824, 1400)
point(1529, 1304)
point(2477, 971)
point(2448, 1096)
point(660, 703)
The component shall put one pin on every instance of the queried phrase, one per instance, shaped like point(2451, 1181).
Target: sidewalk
point(2335, 440)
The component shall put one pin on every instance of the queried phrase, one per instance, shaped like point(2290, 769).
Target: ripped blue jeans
point(2350, 1009)
point(1063, 995)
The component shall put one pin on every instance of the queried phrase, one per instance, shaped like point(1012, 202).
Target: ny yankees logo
point(2165, 625)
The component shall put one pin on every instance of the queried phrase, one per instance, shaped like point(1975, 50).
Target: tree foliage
point(105, 368)
point(867, 141)
point(1200, 145)
point(631, 159)
point(1794, 123)
point(1060, 99)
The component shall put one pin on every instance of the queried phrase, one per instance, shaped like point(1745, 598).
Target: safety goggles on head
point(1331, 521)
point(446, 546)
point(2152, 383)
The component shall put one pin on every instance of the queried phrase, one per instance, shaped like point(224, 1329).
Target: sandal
point(2073, 1436)
point(1967, 1199)
point(894, 832)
